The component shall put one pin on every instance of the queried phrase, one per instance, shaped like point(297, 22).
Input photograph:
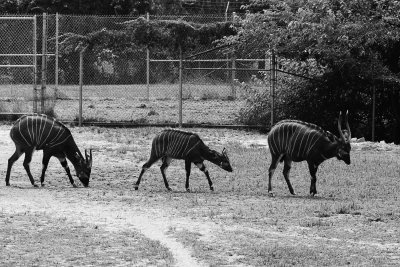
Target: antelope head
point(343, 149)
point(84, 168)
point(221, 159)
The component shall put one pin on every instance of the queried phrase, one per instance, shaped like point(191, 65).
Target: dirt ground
point(111, 224)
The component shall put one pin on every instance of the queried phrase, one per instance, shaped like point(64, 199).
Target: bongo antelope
point(292, 140)
point(174, 144)
point(40, 132)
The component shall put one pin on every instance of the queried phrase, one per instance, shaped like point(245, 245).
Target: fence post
point(273, 85)
point(233, 89)
point(80, 86)
point(373, 112)
point(44, 64)
point(35, 97)
point(56, 57)
point(180, 86)
point(148, 67)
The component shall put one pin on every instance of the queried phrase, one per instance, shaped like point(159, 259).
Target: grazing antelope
point(291, 140)
point(40, 132)
point(174, 144)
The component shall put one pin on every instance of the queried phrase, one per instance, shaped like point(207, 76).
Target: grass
point(33, 235)
point(202, 103)
point(353, 220)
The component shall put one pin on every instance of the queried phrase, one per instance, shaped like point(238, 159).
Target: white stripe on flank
point(55, 138)
point(193, 147)
point(287, 139)
point(270, 142)
point(33, 132)
point(165, 143)
point(154, 146)
point(187, 143)
point(52, 143)
point(273, 145)
point(313, 143)
point(62, 141)
point(159, 139)
point(27, 128)
point(301, 142)
point(180, 140)
point(19, 129)
point(306, 145)
point(40, 131)
point(293, 142)
point(282, 139)
point(323, 157)
point(44, 141)
point(36, 129)
point(172, 144)
point(175, 144)
point(169, 141)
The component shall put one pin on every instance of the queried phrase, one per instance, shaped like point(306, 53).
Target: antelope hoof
point(7, 184)
point(271, 194)
point(74, 185)
point(188, 190)
point(211, 188)
point(169, 188)
point(136, 187)
point(35, 185)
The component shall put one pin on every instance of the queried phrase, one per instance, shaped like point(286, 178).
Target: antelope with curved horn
point(293, 140)
point(174, 144)
point(40, 132)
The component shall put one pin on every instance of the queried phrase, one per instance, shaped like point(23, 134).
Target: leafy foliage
point(354, 47)
point(160, 34)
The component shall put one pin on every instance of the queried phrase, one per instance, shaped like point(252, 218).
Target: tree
point(9, 6)
point(354, 45)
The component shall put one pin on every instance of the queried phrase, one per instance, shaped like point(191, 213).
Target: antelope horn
point(347, 125)
point(340, 127)
point(90, 158)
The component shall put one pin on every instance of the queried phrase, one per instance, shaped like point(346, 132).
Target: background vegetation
point(347, 49)
point(121, 7)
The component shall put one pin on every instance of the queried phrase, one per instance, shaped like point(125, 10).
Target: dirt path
point(110, 217)
point(238, 225)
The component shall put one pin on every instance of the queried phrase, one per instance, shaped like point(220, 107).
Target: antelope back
point(174, 143)
point(296, 139)
point(39, 131)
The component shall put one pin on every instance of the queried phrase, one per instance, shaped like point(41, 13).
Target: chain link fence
point(17, 46)
point(139, 87)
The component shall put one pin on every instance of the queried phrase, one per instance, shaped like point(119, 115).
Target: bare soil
point(353, 221)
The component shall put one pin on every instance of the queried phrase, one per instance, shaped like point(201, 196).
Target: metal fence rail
point(140, 88)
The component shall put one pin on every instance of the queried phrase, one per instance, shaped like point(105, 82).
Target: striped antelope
point(174, 144)
point(291, 140)
point(40, 132)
